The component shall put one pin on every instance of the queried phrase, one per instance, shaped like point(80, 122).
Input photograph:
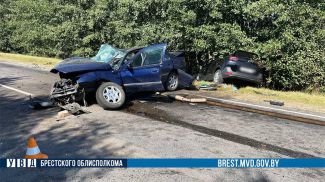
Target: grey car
point(236, 67)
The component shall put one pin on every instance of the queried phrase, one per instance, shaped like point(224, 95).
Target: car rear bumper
point(243, 76)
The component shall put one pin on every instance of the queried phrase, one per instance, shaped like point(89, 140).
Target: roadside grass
point(310, 98)
point(314, 102)
point(34, 60)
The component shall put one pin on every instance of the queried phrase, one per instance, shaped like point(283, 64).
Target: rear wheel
point(217, 78)
point(172, 81)
point(110, 95)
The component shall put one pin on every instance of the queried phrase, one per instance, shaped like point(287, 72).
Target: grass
point(314, 99)
point(314, 102)
point(34, 60)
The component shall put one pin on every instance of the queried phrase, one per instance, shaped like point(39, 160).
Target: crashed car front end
point(76, 73)
point(66, 91)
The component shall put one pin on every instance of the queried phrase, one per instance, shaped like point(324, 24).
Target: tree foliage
point(288, 35)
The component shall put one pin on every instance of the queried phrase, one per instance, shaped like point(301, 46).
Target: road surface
point(147, 127)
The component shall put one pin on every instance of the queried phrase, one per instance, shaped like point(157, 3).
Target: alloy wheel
point(112, 94)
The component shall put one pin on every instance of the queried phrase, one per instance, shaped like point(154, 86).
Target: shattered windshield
point(108, 53)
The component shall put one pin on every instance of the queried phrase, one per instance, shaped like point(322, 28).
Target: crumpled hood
point(79, 64)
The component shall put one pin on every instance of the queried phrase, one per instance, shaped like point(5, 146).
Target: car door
point(143, 72)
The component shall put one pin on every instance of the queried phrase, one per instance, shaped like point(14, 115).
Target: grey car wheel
point(217, 77)
point(110, 95)
point(172, 81)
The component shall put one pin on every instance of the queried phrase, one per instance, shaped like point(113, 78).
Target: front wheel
point(217, 78)
point(172, 81)
point(110, 95)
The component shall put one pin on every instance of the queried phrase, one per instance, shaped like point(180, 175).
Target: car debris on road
point(73, 108)
point(186, 98)
point(276, 103)
point(40, 104)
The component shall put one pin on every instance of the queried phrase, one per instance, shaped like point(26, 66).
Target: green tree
point(287, 35)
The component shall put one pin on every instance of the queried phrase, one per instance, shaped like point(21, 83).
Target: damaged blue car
point(113, 73)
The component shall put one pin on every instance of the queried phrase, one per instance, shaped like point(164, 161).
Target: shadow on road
point(57, 138)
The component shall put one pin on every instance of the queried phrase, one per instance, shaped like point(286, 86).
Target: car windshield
point(108, 54)
point(117, 62)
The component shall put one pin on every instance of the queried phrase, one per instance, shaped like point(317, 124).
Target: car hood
point(78, 64)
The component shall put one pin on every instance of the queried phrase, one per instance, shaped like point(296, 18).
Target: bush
point(288, 35)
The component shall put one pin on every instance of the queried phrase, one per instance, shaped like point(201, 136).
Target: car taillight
point(228, 71)
point(233, 58)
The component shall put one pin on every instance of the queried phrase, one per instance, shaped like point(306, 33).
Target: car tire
point(217, 77)
point(172, 81)
point(110, 95)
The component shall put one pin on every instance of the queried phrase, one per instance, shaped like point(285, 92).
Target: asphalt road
point(148, 127)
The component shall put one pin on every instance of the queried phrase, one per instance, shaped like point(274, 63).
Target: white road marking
point(263, 107)
point(17, 90)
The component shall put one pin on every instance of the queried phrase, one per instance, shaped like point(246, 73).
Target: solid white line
point(264, 107)
point(17, 90)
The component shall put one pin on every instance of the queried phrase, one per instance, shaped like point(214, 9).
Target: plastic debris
point(63, 114)
point(74, 108)
point(39, 104)
point(184, 99)
point(234, 88)
point(205, 87)
point(276, 103)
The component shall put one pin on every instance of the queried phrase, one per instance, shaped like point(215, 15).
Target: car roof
point(244, 54)
point(135, 48)
point(141, 47)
